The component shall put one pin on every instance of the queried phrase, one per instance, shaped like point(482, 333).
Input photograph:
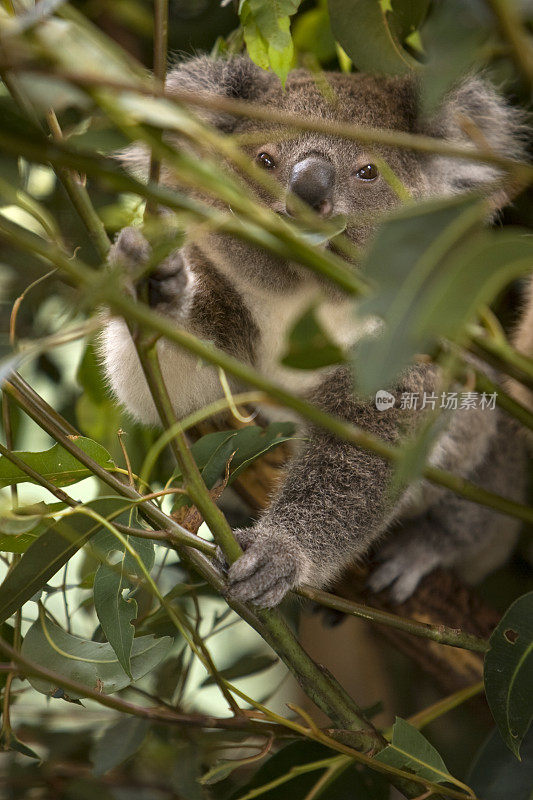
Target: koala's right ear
point(237, 77)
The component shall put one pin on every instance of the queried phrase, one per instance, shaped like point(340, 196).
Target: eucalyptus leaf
point(93, 664)
point(365, 31)
point(118, 742)
point(409, 749)
point(49, 552)
point(310, 346)
point(56, 464)
point(115, 611)
point(497, 775)
point(509, 672)
point(433, 266)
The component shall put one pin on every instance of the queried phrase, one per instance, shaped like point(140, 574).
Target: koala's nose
point(312, 180)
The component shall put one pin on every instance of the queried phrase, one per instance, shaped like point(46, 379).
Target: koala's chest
point(275, 316)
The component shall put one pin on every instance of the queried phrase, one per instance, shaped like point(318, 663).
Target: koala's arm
point(333, 504)
point(185, 288)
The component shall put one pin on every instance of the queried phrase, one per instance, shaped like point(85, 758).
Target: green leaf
point(434, 267)
point(266, 31)
point(246, 665)
point(51, 551)
point(116, 612)
point(309, 346)
point(93, 664)
point(118, 742)
point(453, 50)
point(497, 775)
point(365, 32)
point(56, 464)
point(410, 750)
point(407, 16)
point(213, 450)
point(509, 671)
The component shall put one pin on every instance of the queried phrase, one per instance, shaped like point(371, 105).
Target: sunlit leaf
point(56, 464)
point(509, 672)
point(365, 31)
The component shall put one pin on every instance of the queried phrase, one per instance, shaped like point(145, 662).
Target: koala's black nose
point(312, 180)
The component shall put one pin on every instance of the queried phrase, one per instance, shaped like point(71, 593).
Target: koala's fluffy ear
point(237, 77)
point(475, 113)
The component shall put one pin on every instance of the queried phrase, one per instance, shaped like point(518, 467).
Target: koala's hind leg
point(456, 532)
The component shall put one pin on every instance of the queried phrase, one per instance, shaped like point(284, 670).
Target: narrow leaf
point(411, 750)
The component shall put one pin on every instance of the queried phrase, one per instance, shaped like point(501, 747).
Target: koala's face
point(335, 176)
point(330, 174)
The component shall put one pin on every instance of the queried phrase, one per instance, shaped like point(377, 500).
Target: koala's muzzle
point(312, 180)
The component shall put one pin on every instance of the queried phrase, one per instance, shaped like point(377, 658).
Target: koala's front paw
point(166, 282)
point(269, 568)
point(405, 560)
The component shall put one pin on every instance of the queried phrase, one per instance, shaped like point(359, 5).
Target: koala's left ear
point(237, 77)
point(476, 113)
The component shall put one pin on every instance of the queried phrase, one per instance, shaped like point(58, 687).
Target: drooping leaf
point(434, 267)
point(509, 672)
point(365, 31)
point(115, 611)
point(56, 464)
point(453, 50)
point(246, 665)
point(497, 775)
point(409, 749)
point(93, 664)
point(118, 742)
point(51, 551)
point(310, 346)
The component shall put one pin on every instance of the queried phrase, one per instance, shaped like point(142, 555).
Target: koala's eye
point(367, 173)
point(266, 161)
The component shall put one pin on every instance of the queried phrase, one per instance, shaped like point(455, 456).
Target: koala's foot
point(167, 282)
point(268, 569)
point(405, 560)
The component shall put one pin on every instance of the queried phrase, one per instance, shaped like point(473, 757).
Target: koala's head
point(338, 176)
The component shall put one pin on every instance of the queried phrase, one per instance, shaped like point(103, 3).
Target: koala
point(333, 505)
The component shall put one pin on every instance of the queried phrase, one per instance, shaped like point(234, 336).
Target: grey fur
point(334, 504)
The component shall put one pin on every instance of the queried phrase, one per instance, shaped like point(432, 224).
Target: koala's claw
point(405, 560)
point(167, 282)
point(264, 573)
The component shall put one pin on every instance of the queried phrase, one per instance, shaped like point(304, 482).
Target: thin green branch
point(436, 633)
point(513, 30)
